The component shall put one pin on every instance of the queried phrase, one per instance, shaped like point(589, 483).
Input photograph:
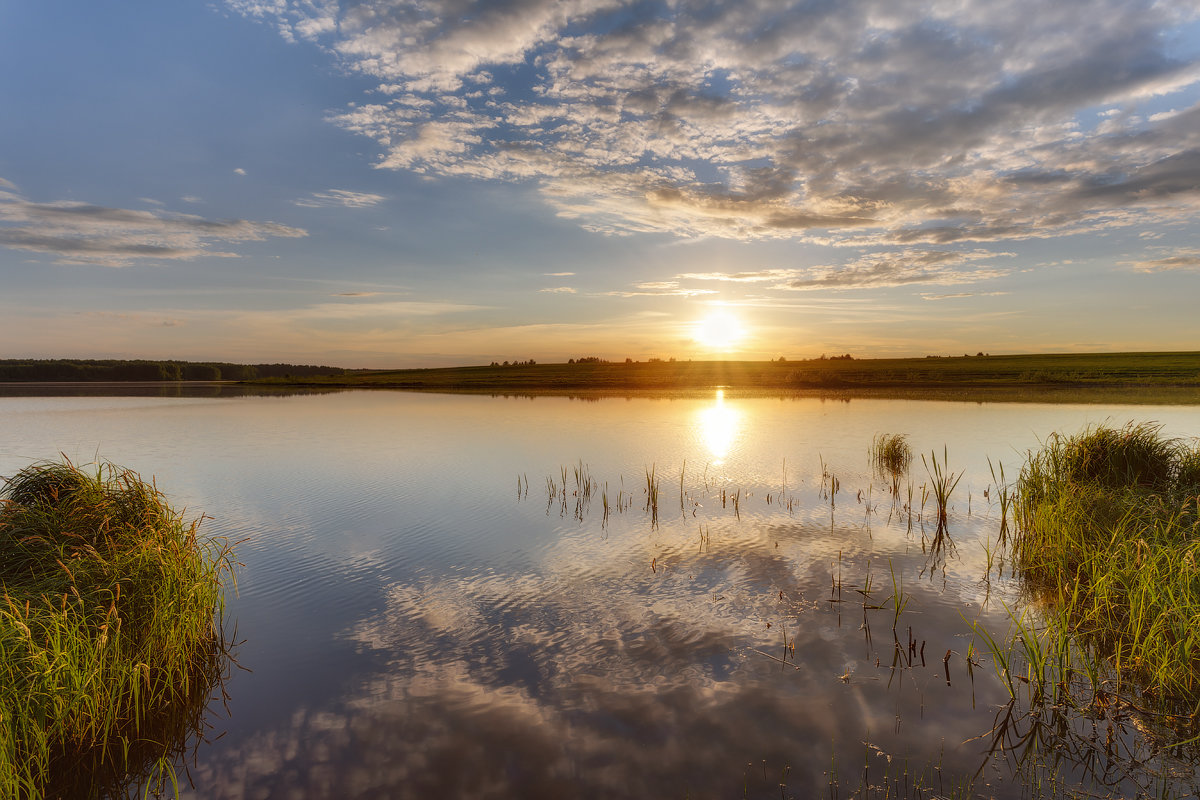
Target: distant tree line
point(72, 369)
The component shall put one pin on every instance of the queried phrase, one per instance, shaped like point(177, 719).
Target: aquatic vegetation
point(943, 483)
point(652, 487)
point(1067, 708)
point(682, 471)
point(893, 779)
point(1005, 495)
point(899, 597)
point(1108, 533)
point(891, 454)
point(1135, 456)
point(111, 634)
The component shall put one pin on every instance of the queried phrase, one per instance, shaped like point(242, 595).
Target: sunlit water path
point(422, 618)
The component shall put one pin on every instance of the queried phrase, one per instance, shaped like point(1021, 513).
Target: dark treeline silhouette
point(73, 369)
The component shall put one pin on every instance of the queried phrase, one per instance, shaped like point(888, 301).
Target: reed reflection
point(718, 426)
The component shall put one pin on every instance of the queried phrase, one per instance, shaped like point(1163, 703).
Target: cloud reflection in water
point(607, 679)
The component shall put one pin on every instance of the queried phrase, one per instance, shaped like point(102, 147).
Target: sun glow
point(720, 330)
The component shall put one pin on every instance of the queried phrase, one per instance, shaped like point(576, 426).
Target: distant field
point(1111, 370)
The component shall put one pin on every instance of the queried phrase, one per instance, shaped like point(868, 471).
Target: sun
point(720, 330)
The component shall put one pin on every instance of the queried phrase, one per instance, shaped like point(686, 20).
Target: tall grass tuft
point(1006, 495)
point(111, 633)
point(652, 487)
point(943, 482)
point(1135, 456)
point(1108, 532)
point(891, 454)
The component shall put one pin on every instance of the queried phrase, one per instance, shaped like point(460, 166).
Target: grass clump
point(1108, 532)
point(891, 453)
point(111, 635)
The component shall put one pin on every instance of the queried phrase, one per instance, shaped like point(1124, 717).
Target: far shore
point(1150, 377)
point(1113, 371)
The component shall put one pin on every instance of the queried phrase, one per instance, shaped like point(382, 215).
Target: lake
point(428, 606)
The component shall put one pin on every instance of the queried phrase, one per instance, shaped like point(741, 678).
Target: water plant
point(652, 486)
point(891, 455)
point(1006, 495)
point(1066, 707)
point(111, 632)
point(899, 598)
point(943, 482)
point(682, 471)
point(1108, 533)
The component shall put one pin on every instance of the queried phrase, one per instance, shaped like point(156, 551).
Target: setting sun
point(720, 330)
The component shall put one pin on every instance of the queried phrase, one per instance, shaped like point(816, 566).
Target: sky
point(407, 183)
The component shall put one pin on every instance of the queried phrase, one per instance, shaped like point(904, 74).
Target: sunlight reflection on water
point(718, 425)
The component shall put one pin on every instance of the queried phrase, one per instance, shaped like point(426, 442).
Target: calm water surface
point(418, 624)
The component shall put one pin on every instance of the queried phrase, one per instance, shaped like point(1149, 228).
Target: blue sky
point(387, 183)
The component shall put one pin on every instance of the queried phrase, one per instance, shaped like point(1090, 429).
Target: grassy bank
point(1108, 533)
point(110, 631)
point(1096, 370)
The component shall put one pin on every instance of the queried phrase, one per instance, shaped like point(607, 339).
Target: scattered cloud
point(239, 171)
point(1188, 260)
point(866, 122)
point(907, 267)
point(558, 274)
point(660, 289)
point(355, 294)
point(191, 198)
point(891, 268)
point(339, 197)
point(759, 276)
point(958, 295)
point(559, 290)
point(1161, 115)
point(81, 233)
point(392, 309)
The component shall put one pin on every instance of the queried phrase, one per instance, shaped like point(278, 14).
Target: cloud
point(355, 294)
point(340, 197)
point(1188, 260)
point(559, 290)
point(959, 295)
point(239, 171)
point(80, 233)
point(660, 289)
point(888, 269)
point(389, 309)
point(880, 269)
point(558, 274)
point(865, 122)
point(759, 276)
